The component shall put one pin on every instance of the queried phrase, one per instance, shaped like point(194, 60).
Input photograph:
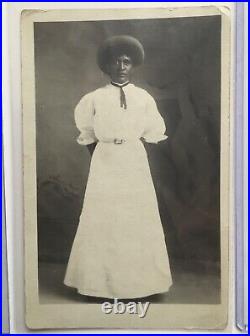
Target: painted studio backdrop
point(182, 73)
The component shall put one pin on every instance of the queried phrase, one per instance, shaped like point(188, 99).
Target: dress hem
point(101, 295)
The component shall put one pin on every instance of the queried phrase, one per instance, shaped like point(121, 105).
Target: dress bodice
point(99, 116)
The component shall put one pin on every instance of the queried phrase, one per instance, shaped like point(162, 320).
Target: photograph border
point(159, 315)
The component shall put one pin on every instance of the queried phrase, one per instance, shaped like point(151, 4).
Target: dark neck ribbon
point(123, 102)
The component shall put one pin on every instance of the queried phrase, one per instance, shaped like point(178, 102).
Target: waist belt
point(118, 141)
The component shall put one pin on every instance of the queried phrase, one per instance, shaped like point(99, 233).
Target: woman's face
point(120, 69)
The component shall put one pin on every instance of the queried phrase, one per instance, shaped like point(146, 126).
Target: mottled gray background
point(182, 72)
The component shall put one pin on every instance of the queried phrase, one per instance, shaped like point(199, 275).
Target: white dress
point(119, 250)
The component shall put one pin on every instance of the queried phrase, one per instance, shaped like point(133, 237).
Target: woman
point(119, 249)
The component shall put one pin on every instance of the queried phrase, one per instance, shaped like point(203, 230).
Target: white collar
point(119, 84)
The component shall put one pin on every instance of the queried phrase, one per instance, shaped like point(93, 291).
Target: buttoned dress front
point(119, 250)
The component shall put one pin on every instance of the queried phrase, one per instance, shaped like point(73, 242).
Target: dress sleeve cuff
point(86, 141)
point(155, 138)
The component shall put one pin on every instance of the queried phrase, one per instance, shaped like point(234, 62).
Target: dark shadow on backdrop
point(182, 72)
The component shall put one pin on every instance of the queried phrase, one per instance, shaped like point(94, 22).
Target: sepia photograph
point(127, 181)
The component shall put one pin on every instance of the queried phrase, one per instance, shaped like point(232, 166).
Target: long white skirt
point(119, 250)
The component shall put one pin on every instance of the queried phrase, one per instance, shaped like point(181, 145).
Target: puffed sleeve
point(154, 124)
point(84, 118)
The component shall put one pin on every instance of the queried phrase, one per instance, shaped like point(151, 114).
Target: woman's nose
point(121, 65)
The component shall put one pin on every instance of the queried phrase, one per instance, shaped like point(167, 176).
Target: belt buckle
point(118, 141)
